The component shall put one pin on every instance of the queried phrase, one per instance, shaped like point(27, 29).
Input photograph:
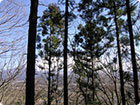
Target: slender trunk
point(93, 87)
point(65, 56)
point(49, 74)
point(119, 57)
point(49, 82)
point(30, 73)
point(87, 90)
point(57, 80)
point(85, 99)
point(135, 74)
point(116, 92)
point(84, 94)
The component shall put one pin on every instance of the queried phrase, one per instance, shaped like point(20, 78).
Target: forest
point(69, 52)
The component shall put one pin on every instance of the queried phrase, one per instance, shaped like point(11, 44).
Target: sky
point(24, 31)
point(9, 35)
point(17, 5)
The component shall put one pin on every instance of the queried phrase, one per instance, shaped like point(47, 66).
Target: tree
point(11, 32)
point(65, 55)
point(9, 88)
point(12, 50)
point(115, 10)
point(30, 73)
point(134, 65)
point(88, 46)
point(119, 55)
point(51, 30)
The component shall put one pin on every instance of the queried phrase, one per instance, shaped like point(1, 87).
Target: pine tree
point(115, 9)
point(65, 55)
point(51, 30)
point(119, 55)
point(89, 45)
point(30, 92)
point(115, 13)
point(134, 65)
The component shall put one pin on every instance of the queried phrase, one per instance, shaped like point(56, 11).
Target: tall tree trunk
point(49, 82)
point(116, 92)
point(65, 55)
point(93, 84)
point(31, 54)
point(84, 93)
point(57, 79)
point(119, 57)
point(134, 65)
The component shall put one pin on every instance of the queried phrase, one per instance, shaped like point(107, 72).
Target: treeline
point(103, 49)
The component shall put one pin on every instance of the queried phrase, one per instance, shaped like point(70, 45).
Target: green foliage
point(96, 37)
point(50, 34)
point(91, 42)
point(93, 39)
point(51, 31)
